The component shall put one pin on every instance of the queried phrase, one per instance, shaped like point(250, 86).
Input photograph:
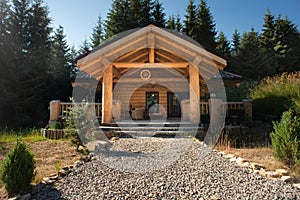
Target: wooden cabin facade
point(154, 70)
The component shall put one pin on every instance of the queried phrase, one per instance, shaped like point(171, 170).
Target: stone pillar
point(216, 125)
point(194, 94)
point(107, 95)
point(54, 111)
point(248, 103)
point(185, 110)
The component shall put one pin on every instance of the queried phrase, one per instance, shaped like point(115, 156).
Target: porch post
point(107, 86)
point(194, 94)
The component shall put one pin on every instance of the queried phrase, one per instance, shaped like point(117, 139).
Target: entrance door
point(173, 105)
point(152, 101)
point(174, 109)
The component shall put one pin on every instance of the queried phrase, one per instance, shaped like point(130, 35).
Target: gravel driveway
point(198, 173)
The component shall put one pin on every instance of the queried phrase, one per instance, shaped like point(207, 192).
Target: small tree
point(286, 139)
point(80, 122)
point(17, 170)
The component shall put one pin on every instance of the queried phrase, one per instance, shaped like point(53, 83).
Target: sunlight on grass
point(30, 135)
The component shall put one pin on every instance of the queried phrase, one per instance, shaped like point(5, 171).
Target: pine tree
point(189, 27)
point(250, 59)
point(84, 47)
point(158, 15)
point(236, 40)
point(171, 22)
point(286, 45)
point(223, 46)
point(145, 18)
point(5, 62)
point(178, 25)
point(62, 62)
point(98, 33)
point(206, 33)
point(117, 18)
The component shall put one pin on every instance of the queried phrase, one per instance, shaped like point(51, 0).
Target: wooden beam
point(107, 95)
point(116, 72)
point(150, 65)
point(194, 94)
point(151, 55)
point(138, 57)
point(162, 80)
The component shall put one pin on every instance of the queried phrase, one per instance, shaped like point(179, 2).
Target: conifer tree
point(171, 22)
point(189, 27)
point(223, 46)
point(98, 33)
point(178, 25)
point(157, 15)
point(236, 40)
point(206, 33)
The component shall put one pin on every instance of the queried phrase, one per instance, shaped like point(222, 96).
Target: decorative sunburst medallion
point(145, 74)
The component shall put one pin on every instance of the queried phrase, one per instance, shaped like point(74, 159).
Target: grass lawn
point(50, 155)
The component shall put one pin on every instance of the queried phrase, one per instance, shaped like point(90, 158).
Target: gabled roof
point(150, 36)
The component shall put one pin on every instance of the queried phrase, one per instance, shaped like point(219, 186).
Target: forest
point(37, 65)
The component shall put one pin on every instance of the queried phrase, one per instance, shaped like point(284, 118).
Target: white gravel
point(197, 173)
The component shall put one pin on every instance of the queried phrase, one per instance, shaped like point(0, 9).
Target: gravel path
point(198, 173)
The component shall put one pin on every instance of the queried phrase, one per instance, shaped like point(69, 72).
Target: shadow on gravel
point(46, 192)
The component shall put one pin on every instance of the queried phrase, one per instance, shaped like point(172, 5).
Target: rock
point(62, 172)
point(287, 179)
point(114, 139)
point(256, 166)
point(297, 185)
point(229, 156)
point(65, 168)
point(240, 160)
point(15, 197)
point(263, 172)
point(78, 163)
point(271, 174)
point(25, 197)
point(282, 172)
point(47, 181)
point(214, 197)
point(245, 164)
point(221, 153)
point(55, 177)
point(232, 159)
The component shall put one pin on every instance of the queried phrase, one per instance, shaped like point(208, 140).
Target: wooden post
point(248, 108)
point(107, 95)
point(194, 94)
point(54, 111)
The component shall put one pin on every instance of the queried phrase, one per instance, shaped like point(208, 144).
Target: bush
point(80, 123)
point(273, 96)
point(17, 171)
point(286, 139)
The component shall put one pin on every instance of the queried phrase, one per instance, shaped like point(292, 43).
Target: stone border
point(278, 174)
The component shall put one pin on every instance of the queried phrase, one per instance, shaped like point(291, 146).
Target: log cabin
point(150, 72)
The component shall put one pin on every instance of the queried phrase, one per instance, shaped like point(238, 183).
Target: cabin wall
point(136, 96)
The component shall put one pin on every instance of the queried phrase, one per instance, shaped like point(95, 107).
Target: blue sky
point(78, 17)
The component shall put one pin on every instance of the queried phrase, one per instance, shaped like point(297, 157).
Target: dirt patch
point(49, 155)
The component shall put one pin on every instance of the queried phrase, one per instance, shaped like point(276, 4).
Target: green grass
point(28, 135)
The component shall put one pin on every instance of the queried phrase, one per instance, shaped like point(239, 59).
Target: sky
point(79, 17)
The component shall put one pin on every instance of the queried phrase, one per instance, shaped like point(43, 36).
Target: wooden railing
point(226, 106)
point(59, 109)
point(65, 108)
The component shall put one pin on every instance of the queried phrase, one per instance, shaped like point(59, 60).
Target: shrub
point(17, 170)
point(273, 96)
point(80, 123)
point(286, 139)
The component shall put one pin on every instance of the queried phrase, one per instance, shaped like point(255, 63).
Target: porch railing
point(226, 106)
point(60, 109)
